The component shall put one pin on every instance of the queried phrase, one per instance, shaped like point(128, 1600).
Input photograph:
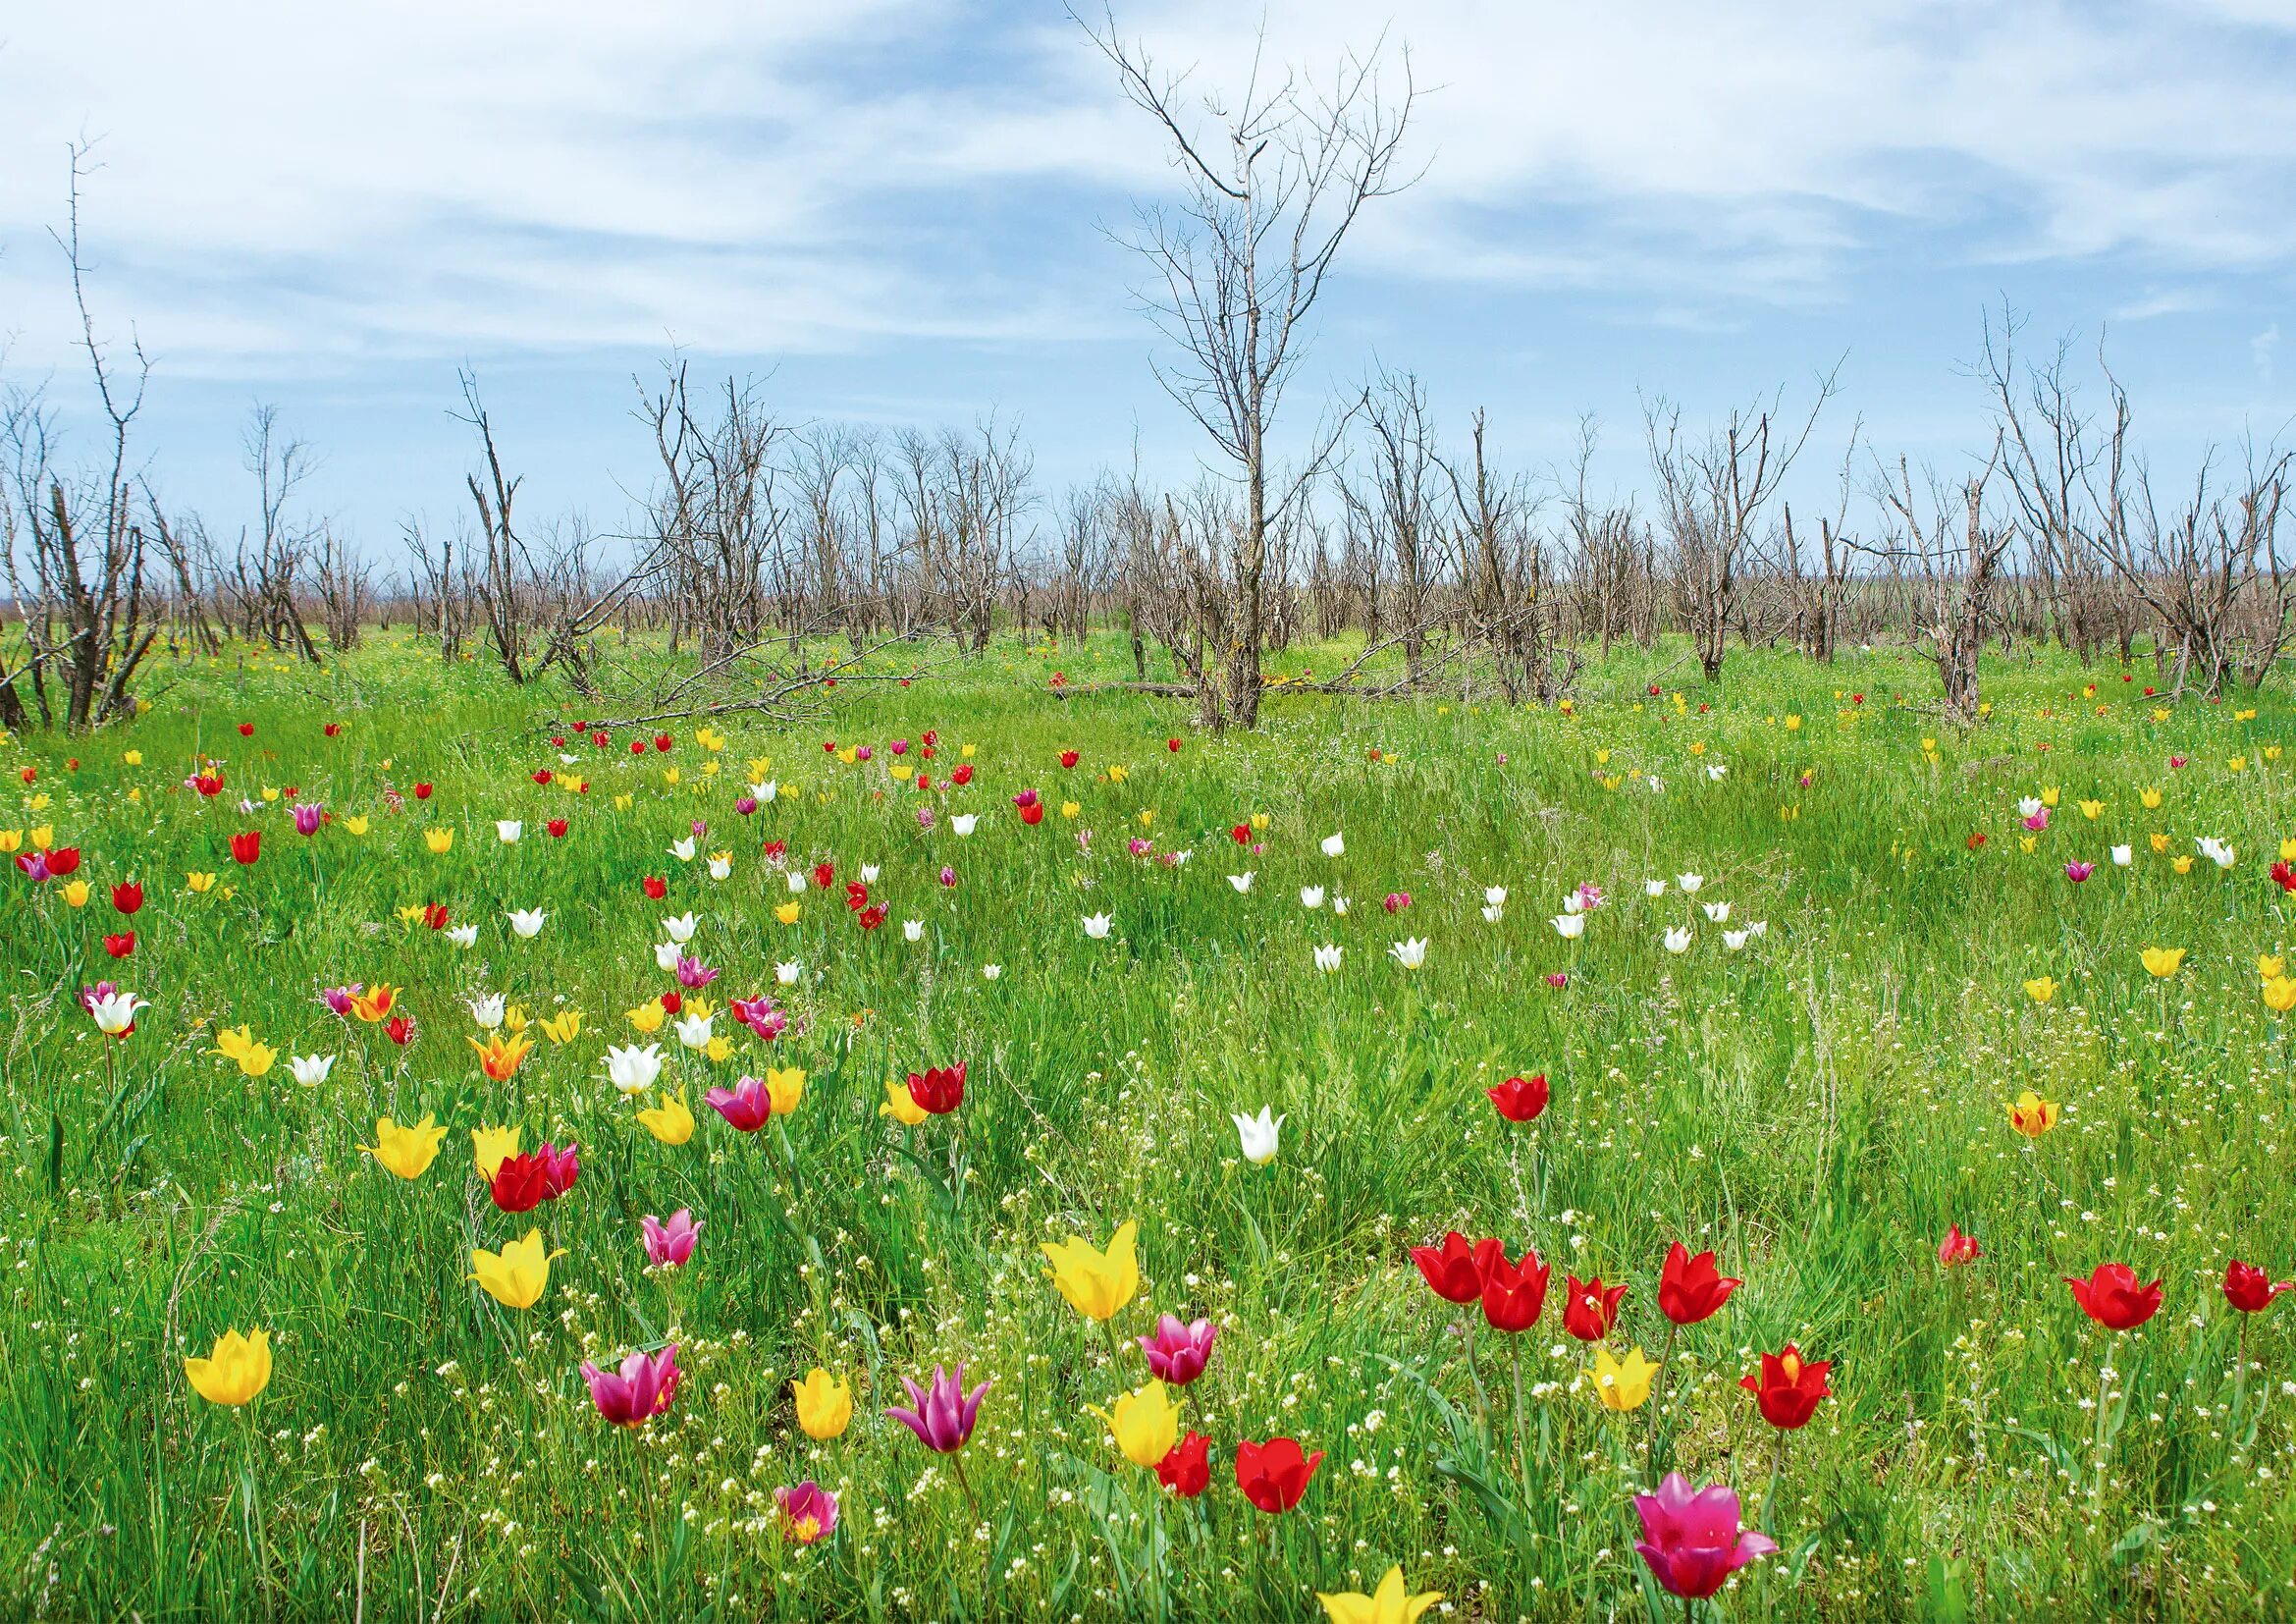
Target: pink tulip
point(2078, 871)
point(1695, 1539)
point(1177, 1353)
point(746, 1105)
point(809, 1512)
point(668, 1245)
point(640, 1391)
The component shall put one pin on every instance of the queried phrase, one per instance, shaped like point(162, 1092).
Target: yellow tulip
point(1145, 1423)
point(2281, 994)
point(518, 1275)
point(490, 1148)
point(1096, 1284)
point(2090, 809)
point(134, 758)
point(355, 824)
point(2151, 798)
point(669, 1121)
point(407, 1152)
point(2164, 962)
point(374, 1005)
point(200, 884)
point(787, 913)
point(1390, 1604)
point(2040, 989)
point(717, 1050)
point(238, 1368)
point(824, 1405)
point(76, 893)
point(784, 1088)
point(11, 839)
point(2183, 865)
point(1069, 809)
point(2049, 796)
point(240, 1046)
point(2032, 1115)
point(901, 1107)
point(1621, 1384)
point(2159, 841)
point(2288, 852)
point(44, 837)
point(967, 752)
point(2270, 966)
point(647, 1018)
point(440, 840)
point(563, 1027)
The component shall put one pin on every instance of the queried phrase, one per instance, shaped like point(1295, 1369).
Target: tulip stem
point(957, 1459)
point(1521, 1471)
point(1483, 1400)
point(1658, 1400)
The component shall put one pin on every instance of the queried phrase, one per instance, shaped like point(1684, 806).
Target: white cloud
point(2262, 348)
point(431, 179)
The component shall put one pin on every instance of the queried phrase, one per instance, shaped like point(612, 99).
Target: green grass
point(1818, 1107)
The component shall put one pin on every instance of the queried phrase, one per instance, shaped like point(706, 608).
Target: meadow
point(1788, 951)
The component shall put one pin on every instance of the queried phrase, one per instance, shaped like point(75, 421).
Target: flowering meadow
point(993, 1151)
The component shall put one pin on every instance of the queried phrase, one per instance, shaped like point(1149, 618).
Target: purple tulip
point(1177, 1353)
point(809, 1512)
point(942, 1416)
point(668, 1245)
point(337, 998)
point(2077, 871)
point(948, 876)
point(307, 817)
point(640, 1391)
point(1694, 1540)
point(746, 805)
point(693, 974)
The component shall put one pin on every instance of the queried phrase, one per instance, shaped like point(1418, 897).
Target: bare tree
point(1955, 559)
point(80, 591)
point(1713, 493)
point(1273, 181)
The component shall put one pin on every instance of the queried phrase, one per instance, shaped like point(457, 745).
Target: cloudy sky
point(900, 209)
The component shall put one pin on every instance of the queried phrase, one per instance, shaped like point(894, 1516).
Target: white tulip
point(311, 1071)
point(666, 957)
point(694, 1030)
point(462, 935)
point(721, 867)
point(1410, 953)
point(1678, 939)
point(1258, 1135)
point(913, 930)
point(766, 790)
point(1654, 887)
point(528, 922)
point(1719, 912)
point(1690, 883)
point(633, 1070)
point(2123, 855)
point(788, 971)
point(1760, 927)
point(1496, 895)
point(115, 1013)
point(796, 883)
point(487, 1012)
point(963, 822)
point(1334, 846)
point(1339, 906)
point(1574, 902)
point(1735, 939)
point(507, 831)
point(2030, 807)
point(989, 972)
point(1493, 913)
point(1311, 896)
point(680, 929)
point(1097, 926)
point(1568, 926)
point(1716, 772)
point(683, 850)
point(1242, 882)
point(868, 874)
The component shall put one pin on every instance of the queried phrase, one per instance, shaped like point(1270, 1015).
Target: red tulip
point(1454, 1271)
point(1273, 1475)
point(1515, 1294)
point(1787, 1387)
point(1692, 1289)
point(824, 874)
point(246, 730)
point(121, 945)
point(556, 827)
point(1173, 746)
point(672, 1002)
point(399, 1030)
point(938, 1089)
point(1958, 1248)
point(2112, 1298)
point(434, 915)
point(2249, 1289)
point(662, 742)
point(541, 775)
point(963, 774)
point(1068, 759)
point(128, 896)
point(209, 784)
point(1589, 1308)
point(332, 729)
point(64, 861)
point(422, 792)
point(1241, 833)
point(1518, 1099)
point(246, 845)
point(1187, 1470)
point(1032, 814)
point(870, 918)
point(525, 1182)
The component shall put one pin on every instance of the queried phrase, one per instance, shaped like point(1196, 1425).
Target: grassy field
point(1817, 1104)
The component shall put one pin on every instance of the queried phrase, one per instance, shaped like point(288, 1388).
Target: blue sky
point(898, 209)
